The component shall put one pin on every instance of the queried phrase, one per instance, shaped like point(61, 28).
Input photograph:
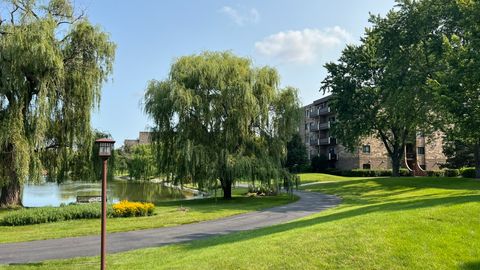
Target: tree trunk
point(395, 165)
point(397, 154)
point(476, 151)
point(227, 188)
point(11, 194)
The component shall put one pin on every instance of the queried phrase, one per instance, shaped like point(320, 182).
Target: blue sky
point(296, 37)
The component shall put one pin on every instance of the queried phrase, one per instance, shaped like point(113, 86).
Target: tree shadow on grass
point(386, 207)
point(376, 190)
point(471, 266)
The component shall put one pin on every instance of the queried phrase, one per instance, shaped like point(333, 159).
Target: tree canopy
point(379, 87)
point(417, 69)
point(53, 64)
point(217, 117)
point(456, 83)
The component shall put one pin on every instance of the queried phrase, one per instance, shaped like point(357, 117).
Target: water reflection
point(54, 194)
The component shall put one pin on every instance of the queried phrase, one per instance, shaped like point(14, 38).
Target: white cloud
point(303, 46)
point(252, 16)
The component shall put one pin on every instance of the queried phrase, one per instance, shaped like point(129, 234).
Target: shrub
point(366, 173)
point(132, 209)
point(452, 172)
point(262, 190)
point(39, 215)
point(435, 173)
point(319, 163)
point(405, 172)
point(468, 172)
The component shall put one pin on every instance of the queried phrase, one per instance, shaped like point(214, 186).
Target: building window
point(423, 166)
point(366, 166)
point(306, 127)
point(421, 150)
point(366, 149)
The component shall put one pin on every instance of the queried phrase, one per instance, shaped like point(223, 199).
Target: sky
point(295, 37)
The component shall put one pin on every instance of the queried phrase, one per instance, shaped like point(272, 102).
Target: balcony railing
point(314, 142)
point(314, 113)
point(315, 127)
point(324, 110)
point(319, 111)
point(327, 141)
point(323, 126)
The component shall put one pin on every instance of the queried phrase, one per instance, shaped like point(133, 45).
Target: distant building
point(144, 137)
point(371, 153)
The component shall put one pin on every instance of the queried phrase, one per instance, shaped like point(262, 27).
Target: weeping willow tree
point(53, 64)
point(219, 118)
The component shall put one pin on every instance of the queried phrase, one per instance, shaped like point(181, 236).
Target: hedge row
point(28, 216)
point(467, 172)
point(464, 172)
point(366, 173)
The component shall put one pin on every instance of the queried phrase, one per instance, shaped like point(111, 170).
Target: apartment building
point(423, 154)
point(144, 137)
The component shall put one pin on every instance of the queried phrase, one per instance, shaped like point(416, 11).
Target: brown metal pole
point(104, 216)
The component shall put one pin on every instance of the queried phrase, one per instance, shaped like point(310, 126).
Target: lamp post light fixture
point(105, 151)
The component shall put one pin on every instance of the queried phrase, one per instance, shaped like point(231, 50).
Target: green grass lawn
point(382, 223)
point(322, 177)
point(167, 214)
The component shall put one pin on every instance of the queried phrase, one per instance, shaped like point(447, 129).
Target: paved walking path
point(35, 251)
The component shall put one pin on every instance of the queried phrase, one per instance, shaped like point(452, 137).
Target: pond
point(53, 194)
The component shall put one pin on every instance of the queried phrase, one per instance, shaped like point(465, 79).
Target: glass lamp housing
point(105, 147)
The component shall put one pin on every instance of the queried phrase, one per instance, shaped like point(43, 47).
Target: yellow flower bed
point(132, 209)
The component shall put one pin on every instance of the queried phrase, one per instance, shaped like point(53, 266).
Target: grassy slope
point(167, 214)
point(383, 223)
point(322, 177)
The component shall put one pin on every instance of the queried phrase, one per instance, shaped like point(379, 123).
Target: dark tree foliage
point(458, 155)
point(457, 82)
point(320, 163)
point(297, 158)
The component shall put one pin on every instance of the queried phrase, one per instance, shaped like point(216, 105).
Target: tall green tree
point(53, 64)
point(379, 87)
point(219, 118)
point(141, 162)
point(297, 158)
point(457, 84)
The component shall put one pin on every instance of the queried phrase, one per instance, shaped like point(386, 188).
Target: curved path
point(63, 248)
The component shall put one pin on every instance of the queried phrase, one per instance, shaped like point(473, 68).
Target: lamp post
point(105, 151)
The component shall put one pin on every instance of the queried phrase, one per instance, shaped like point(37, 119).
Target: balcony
point(315, 127)
point(324, 110)
point(327, 141)
point(319, 111)
point(323, 126)
point(314, 142)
